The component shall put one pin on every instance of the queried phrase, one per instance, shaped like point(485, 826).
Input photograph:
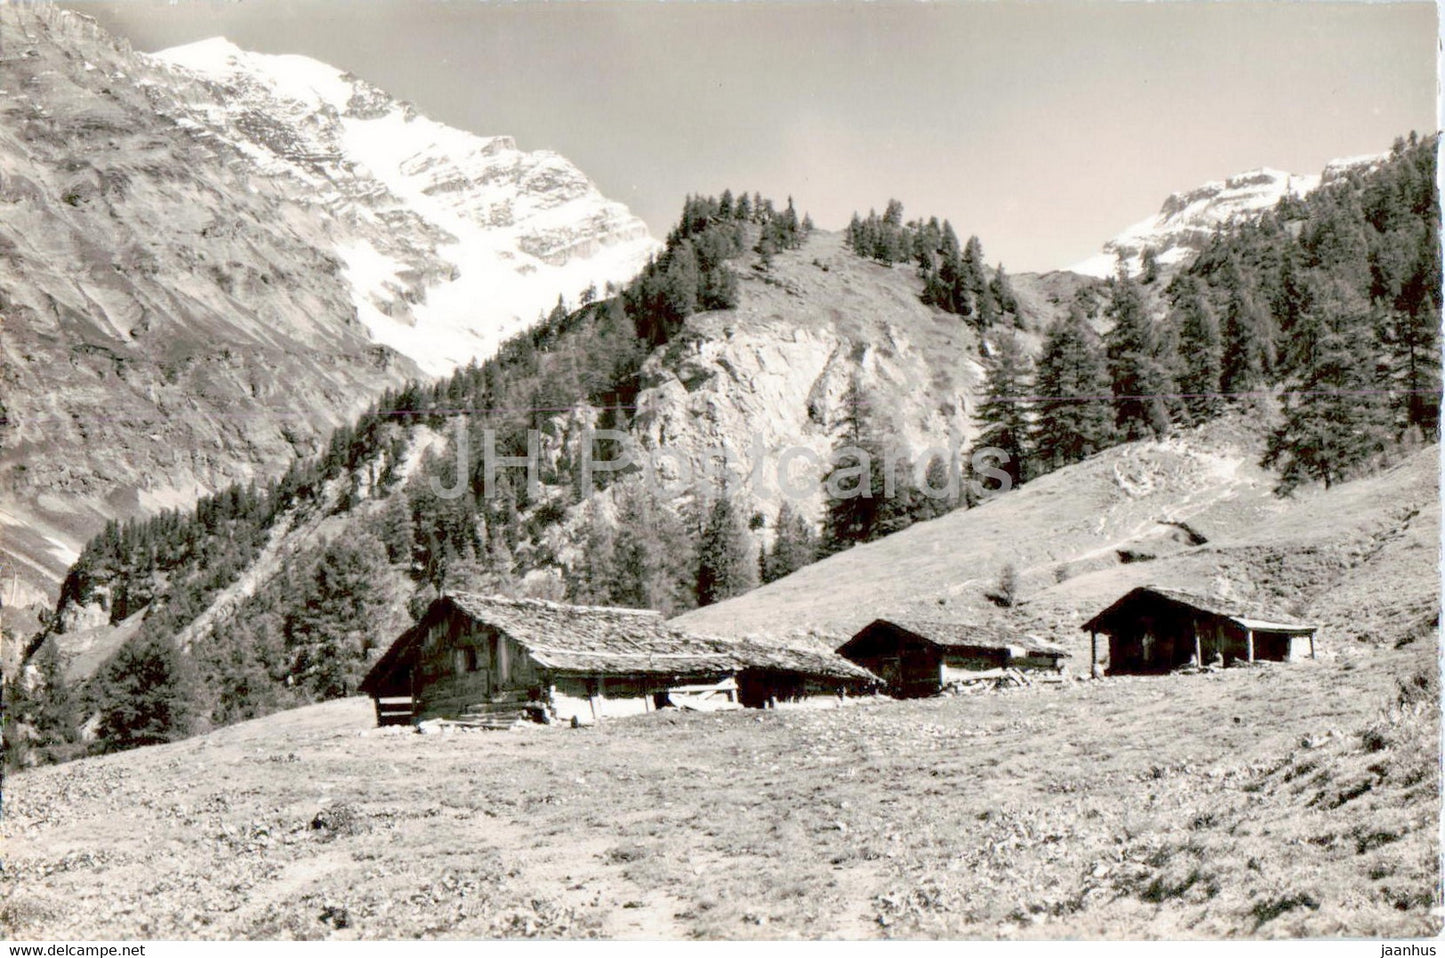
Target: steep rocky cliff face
point(771, 375)
point(769, 379)
point(198, 282)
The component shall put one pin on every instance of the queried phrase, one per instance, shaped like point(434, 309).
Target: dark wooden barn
point(1153, 629)
point(489, 660)
point(916, 657)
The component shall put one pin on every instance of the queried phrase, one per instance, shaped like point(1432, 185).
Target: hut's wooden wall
point(908, 666)
point(461, 663)
point(974, 659)
point(588, 698)
point(1282, 646)
point(1036, 660)
point(957, 664)
point(1301, 647)
point(1162, 638)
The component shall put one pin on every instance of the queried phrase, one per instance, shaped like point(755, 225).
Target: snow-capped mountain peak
point(451, 241)
point(1187, 220)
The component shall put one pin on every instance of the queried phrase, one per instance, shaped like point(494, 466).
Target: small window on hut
point(472, 664)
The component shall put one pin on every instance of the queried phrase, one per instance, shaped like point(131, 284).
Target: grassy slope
point(1075, 519)
point(1361, 559)
point(1270, 801)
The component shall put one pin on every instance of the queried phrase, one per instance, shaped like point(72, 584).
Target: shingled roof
point(1233, 611)
point(764, 652)
point(948, 634)
point(598, 640)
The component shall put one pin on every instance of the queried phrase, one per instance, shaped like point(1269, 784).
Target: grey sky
point(1044, 128)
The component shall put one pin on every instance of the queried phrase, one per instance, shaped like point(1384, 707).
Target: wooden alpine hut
point(1154, 629)
point(491, 660)
point(916, 657)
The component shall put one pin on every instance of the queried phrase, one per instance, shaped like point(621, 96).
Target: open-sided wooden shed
point(916, 656)
point(1154, 629)
point(798, 668)
point(475, 657)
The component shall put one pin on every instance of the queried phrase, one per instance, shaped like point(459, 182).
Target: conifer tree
point(1416, 336)
point(727, 564)
point(1004, 410)
point(795, 545)
point(1292, 298)
point(1138, 377)
point(396, 530)
point(864, 502)
point(854, 235)
point(1248, 346)
point(1338, 419)
point(944, 493)
point(970, 293)
point(241, 669)
point(1200, 351)
point(589, 581)
point(1149, 263)
point(1075, 416)
point(848, 486)
point(47, 709)
point(948, 288)
point(1003, 293)
point(680, 282)
point(330, 632)
point(146, 694)
point(654, 559)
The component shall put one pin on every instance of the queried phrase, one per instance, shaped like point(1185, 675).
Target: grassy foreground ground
point(1274, 801)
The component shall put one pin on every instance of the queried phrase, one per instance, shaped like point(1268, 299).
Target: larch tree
point(146, 694)
point(330, 632)
point(1200, 353)
point(1075, 417)
point(795, 544)
point(727, 563)
point(1338, 419)
point(867, 488)
point(1003, 412)
point(1139, 382)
